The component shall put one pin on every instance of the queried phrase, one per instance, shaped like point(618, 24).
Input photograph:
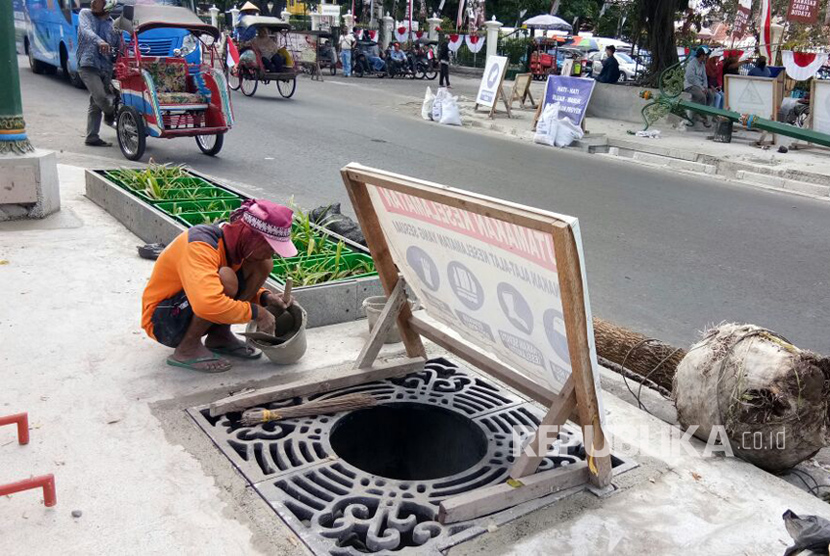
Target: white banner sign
point(493, 282)
point(821, 106)
point(491, 81)
point(751, 95)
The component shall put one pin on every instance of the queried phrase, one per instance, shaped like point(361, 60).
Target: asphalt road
point(667, 254)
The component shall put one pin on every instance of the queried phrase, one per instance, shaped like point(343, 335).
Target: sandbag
point(330, 217)
point(770, 397)
point(567, 132)
point(450, 114)
point(426, 107)
point(436, 103)
point(547, 125)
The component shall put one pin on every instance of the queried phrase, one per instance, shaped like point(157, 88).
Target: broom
point(318, 407)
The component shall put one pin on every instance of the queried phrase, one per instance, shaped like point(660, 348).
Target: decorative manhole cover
point(371, 480)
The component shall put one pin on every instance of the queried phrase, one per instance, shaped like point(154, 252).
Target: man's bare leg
point(220, 336)
point(191, 346)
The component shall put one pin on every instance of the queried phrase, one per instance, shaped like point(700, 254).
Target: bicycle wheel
point(234, 81)
point(248, 84)
point(287, 88)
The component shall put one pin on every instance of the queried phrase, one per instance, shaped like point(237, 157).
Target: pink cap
point(273, 221)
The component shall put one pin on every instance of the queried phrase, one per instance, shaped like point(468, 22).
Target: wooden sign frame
point(500, 95)
point(521, 90)
point(577, 400)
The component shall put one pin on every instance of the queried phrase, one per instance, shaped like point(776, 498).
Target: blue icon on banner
point(465, 285)
point(555, 331)
point(424, 267)
point(515, 308)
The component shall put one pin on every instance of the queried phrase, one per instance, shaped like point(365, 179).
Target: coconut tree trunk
point(554, 7)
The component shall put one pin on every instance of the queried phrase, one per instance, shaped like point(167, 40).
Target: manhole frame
point(453, 534)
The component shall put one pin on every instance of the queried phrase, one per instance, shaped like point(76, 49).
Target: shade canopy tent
point(548, 22)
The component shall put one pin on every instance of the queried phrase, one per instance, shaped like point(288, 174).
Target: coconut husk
point(770, 397)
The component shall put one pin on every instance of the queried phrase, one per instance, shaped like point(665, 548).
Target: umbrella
point(584, 43)
point(547, 21)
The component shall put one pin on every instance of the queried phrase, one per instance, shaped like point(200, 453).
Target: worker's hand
point(276, 300)
point(104, 48)
point(265, 321)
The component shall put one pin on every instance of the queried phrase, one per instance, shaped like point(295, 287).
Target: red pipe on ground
point(22, 420)
point(45, 481)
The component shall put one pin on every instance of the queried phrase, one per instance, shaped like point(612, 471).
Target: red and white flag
point(401, 34)
point(766, 31)
point(233, 54)
point(474, 43)
point(802, 65)
point(455, 42)
point(373, 34)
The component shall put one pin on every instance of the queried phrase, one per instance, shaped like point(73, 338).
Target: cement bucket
point(292, 349)
point(373, 307)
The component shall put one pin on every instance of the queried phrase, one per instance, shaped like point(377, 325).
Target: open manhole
point(408, 441)
point(371, 480)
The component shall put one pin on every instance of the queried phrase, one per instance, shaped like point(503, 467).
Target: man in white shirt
point(346, 45)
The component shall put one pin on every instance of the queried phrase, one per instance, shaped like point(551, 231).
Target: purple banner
point(573, 95)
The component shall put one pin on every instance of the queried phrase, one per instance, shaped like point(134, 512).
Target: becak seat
point(170, 79)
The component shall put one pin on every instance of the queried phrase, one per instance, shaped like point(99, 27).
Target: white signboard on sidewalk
point(752, 95)
point(820, 106)
point(494, 282)
point(488, 91)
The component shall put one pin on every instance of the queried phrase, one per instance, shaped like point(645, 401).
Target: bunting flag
point(401, 34)
point(419, 34)
point(233, 54)
point(454, 42)
point(741, 19)
point(802, 65)
point(474, 43)
point(733, 53)
point(766, 31)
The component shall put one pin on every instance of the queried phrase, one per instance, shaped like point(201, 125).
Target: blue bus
point(52, 36)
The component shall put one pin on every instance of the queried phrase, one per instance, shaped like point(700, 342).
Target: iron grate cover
point(340, 509)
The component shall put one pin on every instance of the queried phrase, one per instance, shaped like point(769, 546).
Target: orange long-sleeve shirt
point(191, 263)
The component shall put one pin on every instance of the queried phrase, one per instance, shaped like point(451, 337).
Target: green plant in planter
point(329, 269)
point(306, 238)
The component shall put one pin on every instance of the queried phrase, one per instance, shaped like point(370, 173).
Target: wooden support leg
point(559, 412)
point(386, 321)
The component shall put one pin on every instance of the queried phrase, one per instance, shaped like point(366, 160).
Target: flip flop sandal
point(242, 352)
point(190, 364)
point(150, 251)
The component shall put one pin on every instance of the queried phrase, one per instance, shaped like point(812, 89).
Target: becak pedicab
point(165, 96)
point(254, 68)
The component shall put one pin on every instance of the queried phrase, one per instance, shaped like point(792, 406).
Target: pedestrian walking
point(346, 44)
point(444, 63)
point(96, 40)
point(696, 81)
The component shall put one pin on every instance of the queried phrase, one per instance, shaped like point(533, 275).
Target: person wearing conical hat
point(243, 32)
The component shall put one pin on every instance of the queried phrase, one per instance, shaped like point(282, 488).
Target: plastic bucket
point(292, 349)
point(373, 307)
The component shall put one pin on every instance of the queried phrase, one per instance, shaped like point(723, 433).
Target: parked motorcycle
point(362, 64)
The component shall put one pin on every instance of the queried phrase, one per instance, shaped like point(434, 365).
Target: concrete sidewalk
point(107, 419)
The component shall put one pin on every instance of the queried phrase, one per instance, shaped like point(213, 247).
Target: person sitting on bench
point(269, 50)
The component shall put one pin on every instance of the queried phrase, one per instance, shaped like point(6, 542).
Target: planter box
point(329, 303)
point(324, 263)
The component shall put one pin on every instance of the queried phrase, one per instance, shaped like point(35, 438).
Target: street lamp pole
point(13, 139)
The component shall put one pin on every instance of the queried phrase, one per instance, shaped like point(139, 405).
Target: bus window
point(66, 10)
